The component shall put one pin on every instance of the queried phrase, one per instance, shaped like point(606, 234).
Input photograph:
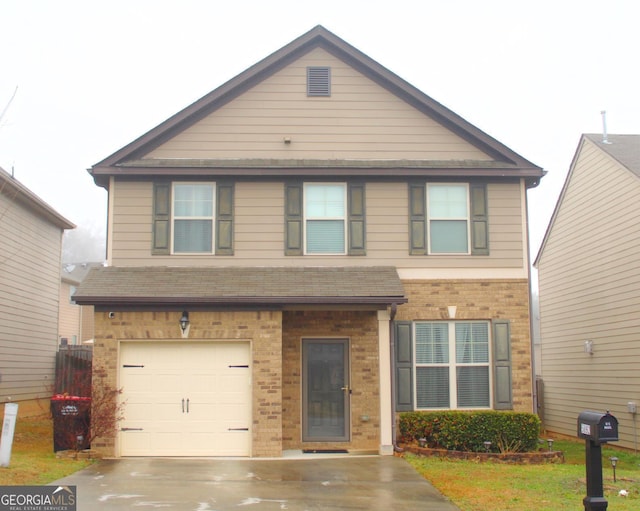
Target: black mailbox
point(597, 426)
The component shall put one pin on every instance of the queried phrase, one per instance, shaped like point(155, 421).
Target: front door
point(325, 389)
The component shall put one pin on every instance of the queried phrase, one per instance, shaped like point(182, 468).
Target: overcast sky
point(92, 76)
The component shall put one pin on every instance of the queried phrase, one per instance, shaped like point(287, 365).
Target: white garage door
point(185, 399)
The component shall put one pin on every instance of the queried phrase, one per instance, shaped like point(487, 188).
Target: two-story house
point(30, 252)
point(309, 248)
point(589, 275)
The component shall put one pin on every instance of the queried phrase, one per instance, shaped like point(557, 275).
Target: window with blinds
point(452, 365)
point(448, 218)
point(193, 217)
point(325, 218)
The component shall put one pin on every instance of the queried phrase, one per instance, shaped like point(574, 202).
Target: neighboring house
point(589, 278)
point(278, 246)
point(30, 252)
point(75, 325)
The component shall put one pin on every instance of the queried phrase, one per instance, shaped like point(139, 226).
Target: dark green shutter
point(161, 235)
point(403, 365)
point(224, 218)
point(417, 219)
point(357, 225)
point(502, 395)
point(479, 219)
point(293, 219)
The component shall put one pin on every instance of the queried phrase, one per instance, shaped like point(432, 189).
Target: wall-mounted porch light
point(184, 321)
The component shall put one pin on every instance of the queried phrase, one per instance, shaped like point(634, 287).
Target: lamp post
point(550, 443)
point(614, 462)
point(487, 446)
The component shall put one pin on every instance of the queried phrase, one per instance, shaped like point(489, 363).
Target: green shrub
point(467, 431)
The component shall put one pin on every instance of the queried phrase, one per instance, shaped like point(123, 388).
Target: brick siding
point(262, 328)
point(480, 300)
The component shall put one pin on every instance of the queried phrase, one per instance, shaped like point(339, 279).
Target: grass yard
point(475, 486)
point(471, 485)
point(33, 461)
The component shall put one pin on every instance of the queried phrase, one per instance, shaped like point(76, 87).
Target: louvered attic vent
point(318, 81)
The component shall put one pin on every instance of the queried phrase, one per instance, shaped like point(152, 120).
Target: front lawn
point(480, 486)
point(33, 461)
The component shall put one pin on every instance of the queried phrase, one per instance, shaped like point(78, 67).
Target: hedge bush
point(467, 431)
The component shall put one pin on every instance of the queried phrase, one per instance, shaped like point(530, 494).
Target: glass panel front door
point(325, 389)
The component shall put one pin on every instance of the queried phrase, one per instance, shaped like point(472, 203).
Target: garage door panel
point(218, 418)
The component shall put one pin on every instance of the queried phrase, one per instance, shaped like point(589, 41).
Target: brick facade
point(263, 328)
point(276, 340)
point(480, 300)
point(361, 328)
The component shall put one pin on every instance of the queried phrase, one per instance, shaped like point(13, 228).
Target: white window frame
point(174, 217)
point(467, 218)
point(453, 365)
point(343, 218)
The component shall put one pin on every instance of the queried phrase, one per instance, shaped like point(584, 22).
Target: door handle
point(182, 405)
point(187, 405)
point(347, 389)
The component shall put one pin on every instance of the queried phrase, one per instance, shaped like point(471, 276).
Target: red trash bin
point(71, 420)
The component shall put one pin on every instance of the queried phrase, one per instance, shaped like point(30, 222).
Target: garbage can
point(71, 420)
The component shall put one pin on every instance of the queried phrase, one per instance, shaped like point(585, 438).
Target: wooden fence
point(73, 370)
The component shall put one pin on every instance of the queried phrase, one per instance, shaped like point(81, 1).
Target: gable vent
point(318, 81)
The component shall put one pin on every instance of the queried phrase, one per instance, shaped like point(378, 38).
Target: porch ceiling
point(278, 286)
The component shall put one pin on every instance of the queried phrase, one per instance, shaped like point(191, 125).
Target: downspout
point(392, 347)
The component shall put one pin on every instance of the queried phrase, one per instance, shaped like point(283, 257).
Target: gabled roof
point(127, 161)
point(258, 287)
point(15, 190)
point(625, 149)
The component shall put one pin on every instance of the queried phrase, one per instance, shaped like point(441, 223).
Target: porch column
point(386, 413)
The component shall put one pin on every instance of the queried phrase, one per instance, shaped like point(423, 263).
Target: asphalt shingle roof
point(624, 148)
point(239, 285)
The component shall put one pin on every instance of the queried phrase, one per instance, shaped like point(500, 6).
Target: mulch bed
point(523, 458)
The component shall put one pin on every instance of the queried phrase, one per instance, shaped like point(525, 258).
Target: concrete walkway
point(373, 483)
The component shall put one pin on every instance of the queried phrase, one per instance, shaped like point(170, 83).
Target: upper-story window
point(193, 218)
point(325, 218)
point(448, 219)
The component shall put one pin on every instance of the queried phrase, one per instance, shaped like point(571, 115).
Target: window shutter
point(224, 218)
point(417, 219)
point(293, 218)
point(502, 365)
point(357, 225)
point(161, 218)
point(479, 219)
point(403, 366)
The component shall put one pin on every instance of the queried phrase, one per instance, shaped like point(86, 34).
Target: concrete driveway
point(382, 483)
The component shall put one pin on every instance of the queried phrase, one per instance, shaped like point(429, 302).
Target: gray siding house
point(589, 276)
point(30, 255)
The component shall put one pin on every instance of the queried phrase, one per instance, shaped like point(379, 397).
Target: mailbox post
point(596, 428)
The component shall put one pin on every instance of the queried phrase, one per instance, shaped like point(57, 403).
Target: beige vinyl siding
point(360, 120)
point(69, 316)
point(259, 229)
point(30, 249)
point(589, 276)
